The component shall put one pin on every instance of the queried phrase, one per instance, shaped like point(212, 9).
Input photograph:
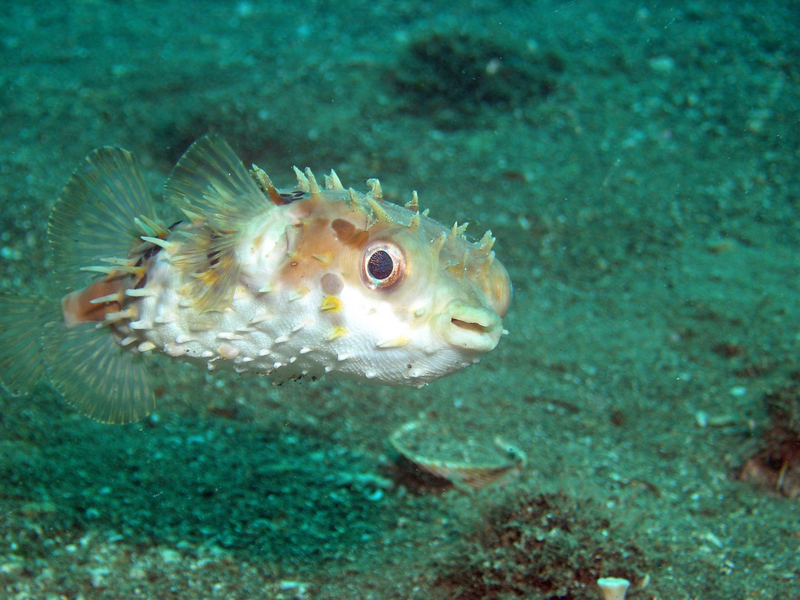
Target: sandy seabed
point(638, 165)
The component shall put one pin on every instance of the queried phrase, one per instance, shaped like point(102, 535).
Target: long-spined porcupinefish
point(288, 283)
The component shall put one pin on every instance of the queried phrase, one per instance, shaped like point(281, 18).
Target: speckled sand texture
point(638, 164)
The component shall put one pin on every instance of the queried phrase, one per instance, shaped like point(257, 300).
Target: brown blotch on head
point(344, 229)
point(332, 284)
point(349, 234)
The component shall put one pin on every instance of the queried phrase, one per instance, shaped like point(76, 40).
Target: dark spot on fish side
point(149, 253)
point(293, 196)
point(331, 284)
point(213, 258)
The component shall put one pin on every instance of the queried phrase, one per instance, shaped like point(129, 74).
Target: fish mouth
point(470, 327)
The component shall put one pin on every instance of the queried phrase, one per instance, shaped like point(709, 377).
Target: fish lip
point(471, 328)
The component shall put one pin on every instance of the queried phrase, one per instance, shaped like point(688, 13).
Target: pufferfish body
point(294, 283)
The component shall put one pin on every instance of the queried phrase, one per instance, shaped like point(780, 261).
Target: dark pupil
point(380, 265)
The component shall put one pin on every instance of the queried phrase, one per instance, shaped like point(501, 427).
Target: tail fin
point(22, 321)
point(85, 365)
point(102, 211)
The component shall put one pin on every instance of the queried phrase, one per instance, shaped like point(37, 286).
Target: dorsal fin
point(210, 183)
point(212, 187)
point(95, 215)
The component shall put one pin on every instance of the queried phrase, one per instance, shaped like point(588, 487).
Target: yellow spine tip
point(337, 333)
point(331, 304)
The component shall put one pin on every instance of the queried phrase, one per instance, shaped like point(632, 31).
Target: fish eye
point(383, 265)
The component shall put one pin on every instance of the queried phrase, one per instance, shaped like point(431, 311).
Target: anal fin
point(96, 375)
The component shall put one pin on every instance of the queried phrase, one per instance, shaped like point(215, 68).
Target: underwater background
point(638, 164)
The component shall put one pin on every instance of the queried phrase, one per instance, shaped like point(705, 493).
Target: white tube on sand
point(613, 588)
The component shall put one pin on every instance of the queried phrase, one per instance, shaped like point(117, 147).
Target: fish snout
point(498, 288)
point(470, 327)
